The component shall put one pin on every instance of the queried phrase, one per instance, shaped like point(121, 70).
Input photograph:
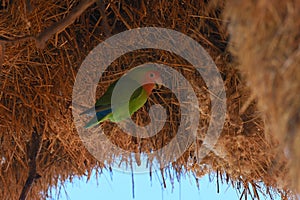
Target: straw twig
point(57, 27)
point(36, 145)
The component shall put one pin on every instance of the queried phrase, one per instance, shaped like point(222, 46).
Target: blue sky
point(119, 186)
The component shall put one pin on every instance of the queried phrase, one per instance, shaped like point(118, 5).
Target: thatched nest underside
point(38, 137)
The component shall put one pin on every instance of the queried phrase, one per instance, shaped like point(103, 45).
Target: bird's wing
point(120, 112)
point(137, 100)
point(103, 104)
point(105, 99)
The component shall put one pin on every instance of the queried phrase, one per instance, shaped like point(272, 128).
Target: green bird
point(144, 79)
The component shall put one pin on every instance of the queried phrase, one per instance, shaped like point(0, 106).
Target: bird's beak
point(158, 83)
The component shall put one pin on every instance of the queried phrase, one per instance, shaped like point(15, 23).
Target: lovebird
point(140, 78)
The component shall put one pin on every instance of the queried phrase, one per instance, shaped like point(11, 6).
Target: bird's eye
point(152, 75)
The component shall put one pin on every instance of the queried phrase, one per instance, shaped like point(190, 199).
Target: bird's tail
point(100, 116)
point(90, 111)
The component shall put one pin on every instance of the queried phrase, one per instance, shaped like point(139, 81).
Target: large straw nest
point(266, 40)
point(37, 128)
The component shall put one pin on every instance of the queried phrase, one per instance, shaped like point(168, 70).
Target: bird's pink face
point(154, 77)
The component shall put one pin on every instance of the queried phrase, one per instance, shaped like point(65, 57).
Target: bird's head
point(148, 77)
point(151, 80)
point(153, 77)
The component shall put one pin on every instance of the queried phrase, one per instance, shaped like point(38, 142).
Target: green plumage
point(103, 105)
